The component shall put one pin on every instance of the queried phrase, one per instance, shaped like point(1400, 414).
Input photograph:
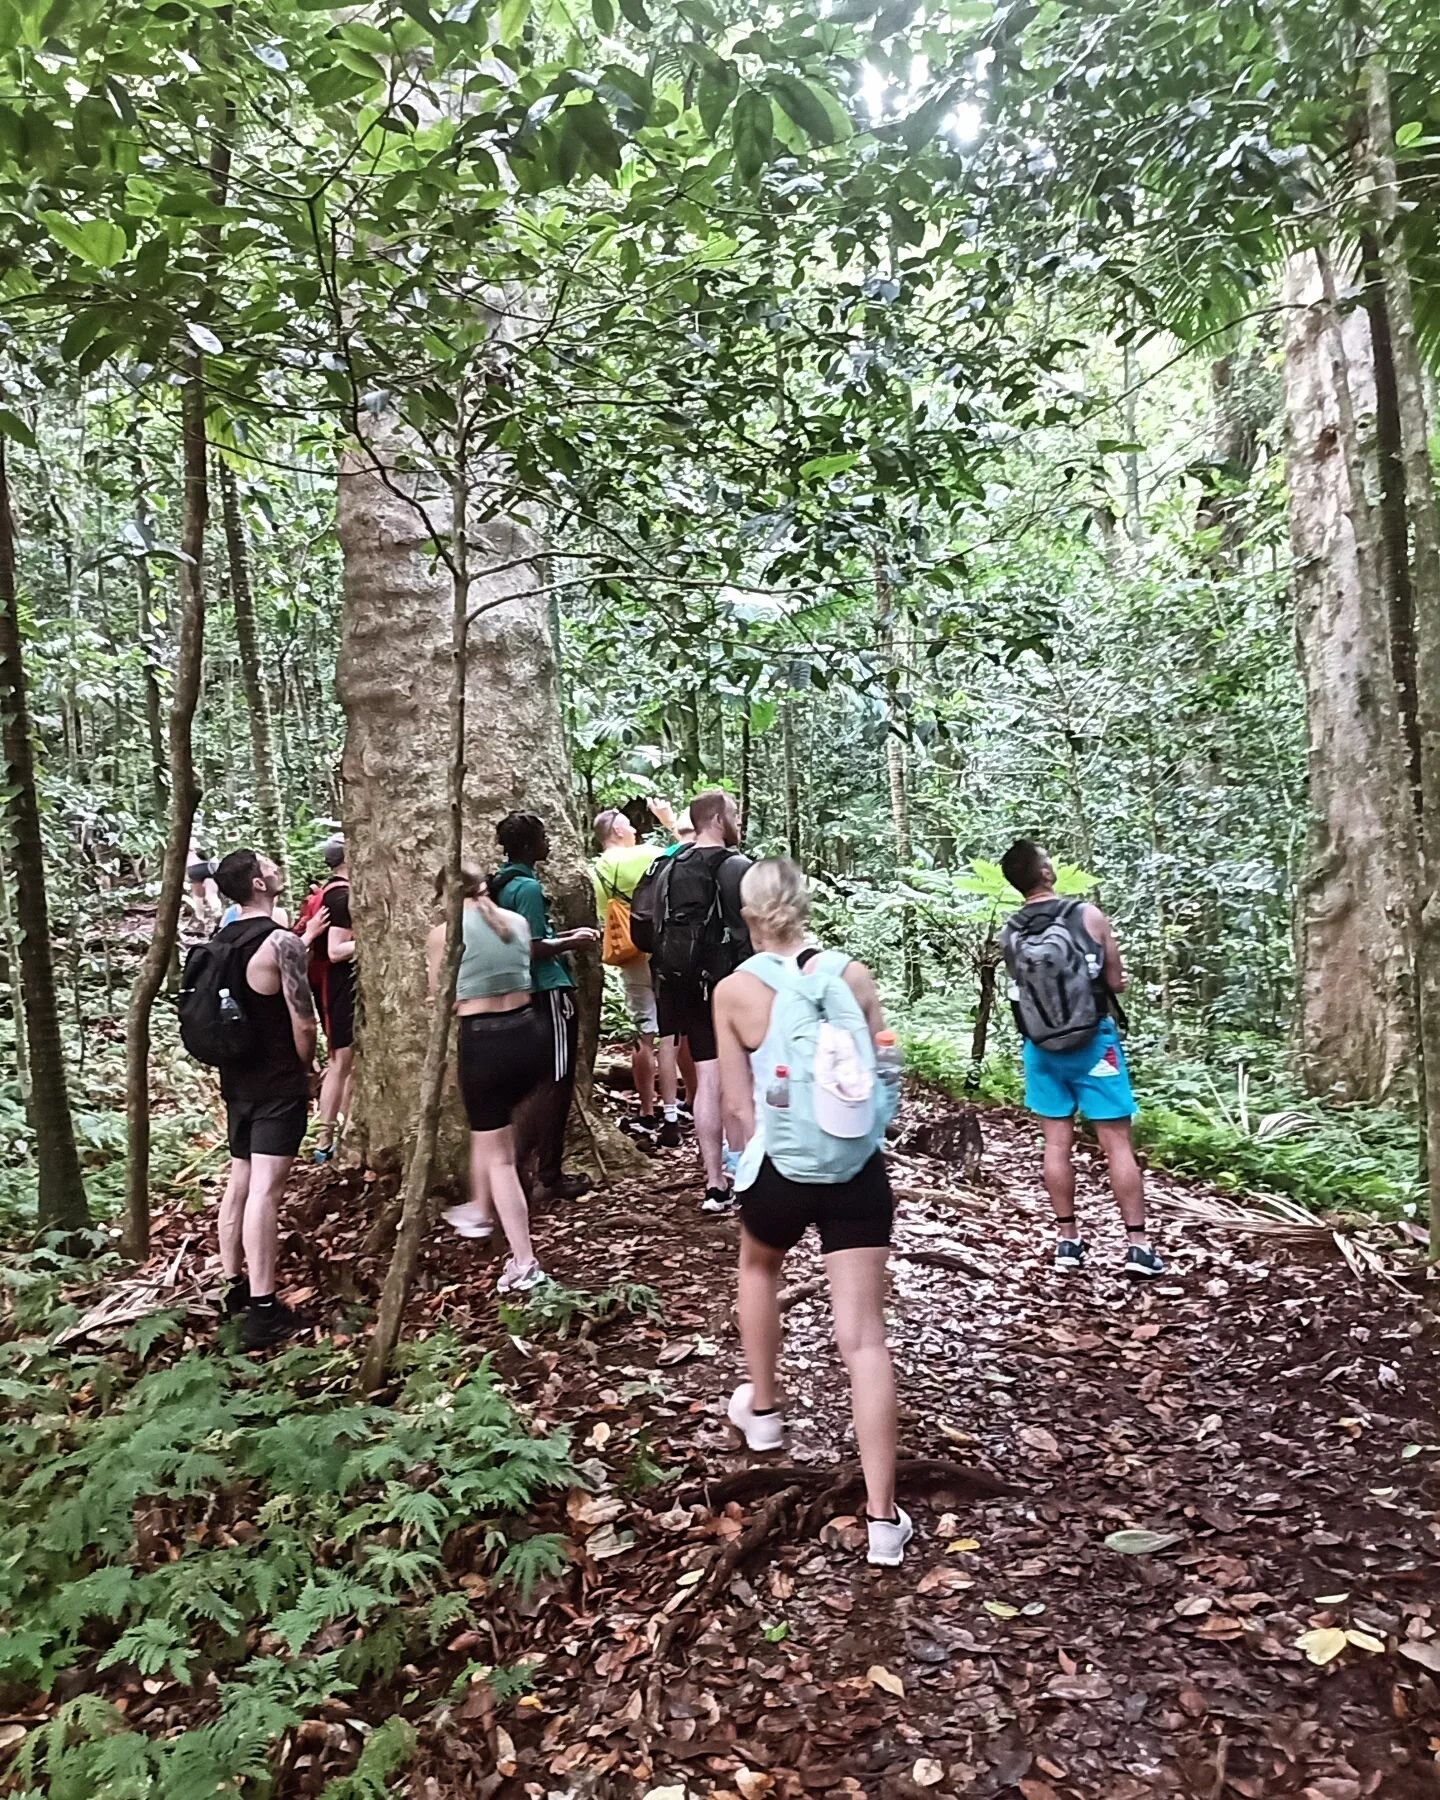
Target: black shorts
point(503, 1058)
point(851, 1215)
point(340, 1006)
point(689, 1013)
point(265, 1127)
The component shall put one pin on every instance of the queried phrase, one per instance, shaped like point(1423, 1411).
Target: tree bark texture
point(1424, 522)
point(148, 632)
point(60, 1190)
point(184, 800)
point(394, 659)
point(897, 775)
point(252, 676)
point(792, 779)
point(1354, 950)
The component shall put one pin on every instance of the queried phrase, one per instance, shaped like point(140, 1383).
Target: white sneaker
point(761, 1431)
point(468, 1221)
point(519, 1278)
point(888, 1539)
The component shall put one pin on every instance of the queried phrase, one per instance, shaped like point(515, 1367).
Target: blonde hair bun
point(776, 898)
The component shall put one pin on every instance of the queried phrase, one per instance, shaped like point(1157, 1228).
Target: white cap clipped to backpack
point(844, 1087)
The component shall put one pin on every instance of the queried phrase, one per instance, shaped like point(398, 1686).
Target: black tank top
point(275, 1072)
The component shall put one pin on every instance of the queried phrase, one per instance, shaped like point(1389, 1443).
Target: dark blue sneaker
point(1143, 1264)
point(1070, 1255)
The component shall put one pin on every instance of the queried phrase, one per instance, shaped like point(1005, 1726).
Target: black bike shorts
point(265, 1127)
point(851, 1215)
point(503, 1058)
point(688, 1012)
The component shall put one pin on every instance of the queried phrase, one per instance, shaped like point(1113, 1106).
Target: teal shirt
point(519, 891)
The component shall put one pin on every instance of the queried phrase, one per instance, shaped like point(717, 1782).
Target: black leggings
point(503, 1057)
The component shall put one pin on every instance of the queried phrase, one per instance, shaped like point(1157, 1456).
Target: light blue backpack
point(838, 1108)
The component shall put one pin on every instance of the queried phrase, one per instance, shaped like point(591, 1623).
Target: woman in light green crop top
point(503, 1057)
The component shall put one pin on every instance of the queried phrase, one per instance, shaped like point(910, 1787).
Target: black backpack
point(647, 904)
point(692, 942)
point(214, 1025)
point(1056, 966)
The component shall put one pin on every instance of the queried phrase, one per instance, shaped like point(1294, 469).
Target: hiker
point(504, 1054)
point(1065, 979)
point(337, 947)
point(515, 887)
point(805, 1102)
point(259, 968)
point(700, 937)
point(201, 896)
point(616, 872)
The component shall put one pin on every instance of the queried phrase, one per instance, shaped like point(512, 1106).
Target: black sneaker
point(263, 1326)
point(1143, 1264)
point(719, 1200)
point(1070, 1255)
point(648, 1122)
point(670, 1134)
point(237, 1296)
point(568, 1187)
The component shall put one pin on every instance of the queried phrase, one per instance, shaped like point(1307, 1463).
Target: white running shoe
point(761, 1431)
point(888, 1539)
point(468, 1221)
point(519, 1278)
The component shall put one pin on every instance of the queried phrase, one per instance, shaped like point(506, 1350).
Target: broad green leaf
point(12, 426)
point(513, 15)
point(95, 241)
point(753, 130)
point(804, 106)
point(819, 467)
point(1410, 133)
point(719, 84)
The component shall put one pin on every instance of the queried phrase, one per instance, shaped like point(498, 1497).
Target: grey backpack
point(1056, 968)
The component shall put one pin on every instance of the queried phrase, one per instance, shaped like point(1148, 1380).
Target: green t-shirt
point(619, 872)
point(520, 892)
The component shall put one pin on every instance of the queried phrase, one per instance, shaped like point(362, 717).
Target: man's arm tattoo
point(291, 958)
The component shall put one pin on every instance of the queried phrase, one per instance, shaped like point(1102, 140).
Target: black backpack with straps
point(692, 943)
point(215, 1024)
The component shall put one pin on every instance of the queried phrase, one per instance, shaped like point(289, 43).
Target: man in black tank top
point(267, 1099)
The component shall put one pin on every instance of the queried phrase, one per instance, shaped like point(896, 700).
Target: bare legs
point(857, 1300)
point(1060, 1173)
point(708, 1133)
point(232, 1219)
point(1126, 1180)
point(758, 1303)
point(248, 1216)
point(335, 1092)
point(669, 1071)
point(642, 1063)
point(495, 1189)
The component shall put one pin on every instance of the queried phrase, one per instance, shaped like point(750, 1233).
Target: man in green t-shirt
point(540, 1122)
point(616, 873)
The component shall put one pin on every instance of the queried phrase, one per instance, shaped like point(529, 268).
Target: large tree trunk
point(1424, 520)
point(61, 1192)
point(394, 655)
point(252, 676)
point(1357, 1030)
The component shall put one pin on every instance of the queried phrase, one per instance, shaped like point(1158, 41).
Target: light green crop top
point(491, 964)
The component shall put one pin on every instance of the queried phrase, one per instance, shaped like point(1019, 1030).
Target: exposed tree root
point(944, 1259)
point(828, 1484)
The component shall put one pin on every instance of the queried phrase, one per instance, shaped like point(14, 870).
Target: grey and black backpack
point(1056, 969)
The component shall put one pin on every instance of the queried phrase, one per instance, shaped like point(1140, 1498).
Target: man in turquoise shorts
point(1065, 972)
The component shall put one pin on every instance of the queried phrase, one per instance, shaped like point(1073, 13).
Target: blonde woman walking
point(805, 1102)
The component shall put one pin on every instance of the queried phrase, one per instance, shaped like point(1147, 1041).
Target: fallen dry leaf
point(879, 1676)
point(1094, 1686)
point(1141, 1543)
point(1427, 1655)
point(927, 1773)
point(11, 1735)
point(1321, 1646)
point(1038, 1438)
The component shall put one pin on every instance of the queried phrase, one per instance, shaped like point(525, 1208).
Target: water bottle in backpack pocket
point(214, 1025)
point(827, 1118)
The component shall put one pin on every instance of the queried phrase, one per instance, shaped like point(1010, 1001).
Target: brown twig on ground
point(942, 1196)
point(945, 1259)
point(802, 1290)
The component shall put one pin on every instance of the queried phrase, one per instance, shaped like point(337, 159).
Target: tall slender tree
point(62, 1202)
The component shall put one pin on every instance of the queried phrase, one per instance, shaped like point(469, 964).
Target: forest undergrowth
point(224, 1575)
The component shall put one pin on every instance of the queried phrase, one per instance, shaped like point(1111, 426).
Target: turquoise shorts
point(1093, 1081)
